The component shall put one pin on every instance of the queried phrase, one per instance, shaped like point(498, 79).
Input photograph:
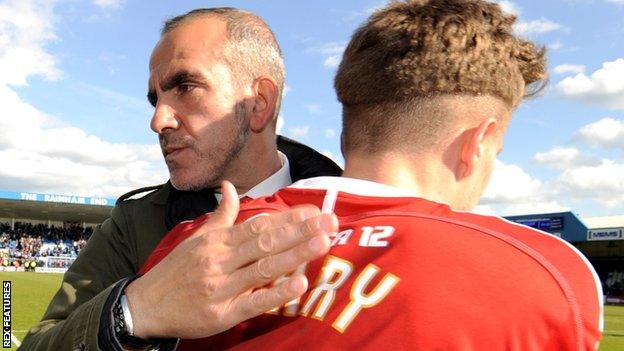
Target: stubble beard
point(214, 163)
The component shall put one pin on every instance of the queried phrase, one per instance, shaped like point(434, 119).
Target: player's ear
point(265, 98)
point(474, 145)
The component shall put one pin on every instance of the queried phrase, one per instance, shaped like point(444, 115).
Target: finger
point(225, 214)
point(278, 240)
point(267, 269)
point(263, 300)
point(230, 203)
point(252, 228)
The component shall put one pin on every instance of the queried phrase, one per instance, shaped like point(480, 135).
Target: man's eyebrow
point(178, 78)
point(173, 81)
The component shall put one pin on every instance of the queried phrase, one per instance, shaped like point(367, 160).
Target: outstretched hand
point(219, 276)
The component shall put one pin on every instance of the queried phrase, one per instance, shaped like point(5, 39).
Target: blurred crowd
point(614, 284)
point(33, 242)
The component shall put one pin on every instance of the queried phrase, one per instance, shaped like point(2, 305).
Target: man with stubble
point(216, 80)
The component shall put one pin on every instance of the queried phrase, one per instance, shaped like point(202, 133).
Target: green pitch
point(613, 336)
point(31, 293)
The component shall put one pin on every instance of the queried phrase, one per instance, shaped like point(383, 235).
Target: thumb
point(227, 211)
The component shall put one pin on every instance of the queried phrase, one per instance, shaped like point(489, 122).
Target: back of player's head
point(410, 58)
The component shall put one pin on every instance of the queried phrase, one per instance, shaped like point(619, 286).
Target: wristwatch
point(124, 331)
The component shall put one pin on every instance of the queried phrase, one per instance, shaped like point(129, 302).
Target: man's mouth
point(173, 150)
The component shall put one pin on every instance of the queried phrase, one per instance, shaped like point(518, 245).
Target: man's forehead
point(200, 38)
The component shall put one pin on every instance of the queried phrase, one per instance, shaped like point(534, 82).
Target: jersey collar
point(353, 186)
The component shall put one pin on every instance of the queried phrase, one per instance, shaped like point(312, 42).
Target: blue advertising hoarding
point(67, 199)
point(565, 225)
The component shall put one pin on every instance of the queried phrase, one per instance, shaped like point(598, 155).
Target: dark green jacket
point(117, 250)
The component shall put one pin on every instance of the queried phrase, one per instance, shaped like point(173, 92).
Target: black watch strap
point(122, 332)
point(108, 339)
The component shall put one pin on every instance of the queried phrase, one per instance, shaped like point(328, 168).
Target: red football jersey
point(408, 273)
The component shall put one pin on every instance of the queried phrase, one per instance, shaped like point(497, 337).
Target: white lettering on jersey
point(334, 273)
point(360, 300)
point(332, 276)
point(341, 238)
point(372, 236)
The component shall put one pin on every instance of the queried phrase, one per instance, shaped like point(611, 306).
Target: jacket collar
point(306, 162)
point(302, 162)
point(160, 197)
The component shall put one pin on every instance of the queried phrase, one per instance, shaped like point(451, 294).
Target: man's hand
point(204, 286)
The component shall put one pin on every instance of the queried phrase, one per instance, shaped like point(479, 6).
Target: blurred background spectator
point(35, 242)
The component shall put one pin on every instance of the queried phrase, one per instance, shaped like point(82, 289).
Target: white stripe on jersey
point(353, 186)
point(329, 202)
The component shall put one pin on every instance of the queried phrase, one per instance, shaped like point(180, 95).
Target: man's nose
point(164, 118)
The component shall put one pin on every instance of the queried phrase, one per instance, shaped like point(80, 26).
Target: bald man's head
point(251, 50)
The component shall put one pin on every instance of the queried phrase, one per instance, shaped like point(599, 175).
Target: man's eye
point(185, 88)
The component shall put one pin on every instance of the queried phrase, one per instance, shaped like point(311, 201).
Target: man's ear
point(266, 96)
point(475, 144)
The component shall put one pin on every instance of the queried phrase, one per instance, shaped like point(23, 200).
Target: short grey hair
point(251, 50)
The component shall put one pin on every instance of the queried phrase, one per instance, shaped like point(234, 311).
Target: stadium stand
point(614, 284)
point(46, 229)
point(604, 248)
point(600, 239)
point(24, 242)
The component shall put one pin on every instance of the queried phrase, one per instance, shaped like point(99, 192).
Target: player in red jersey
point(428, 89)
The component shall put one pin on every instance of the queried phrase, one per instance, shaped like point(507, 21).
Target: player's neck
point(426, 177)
